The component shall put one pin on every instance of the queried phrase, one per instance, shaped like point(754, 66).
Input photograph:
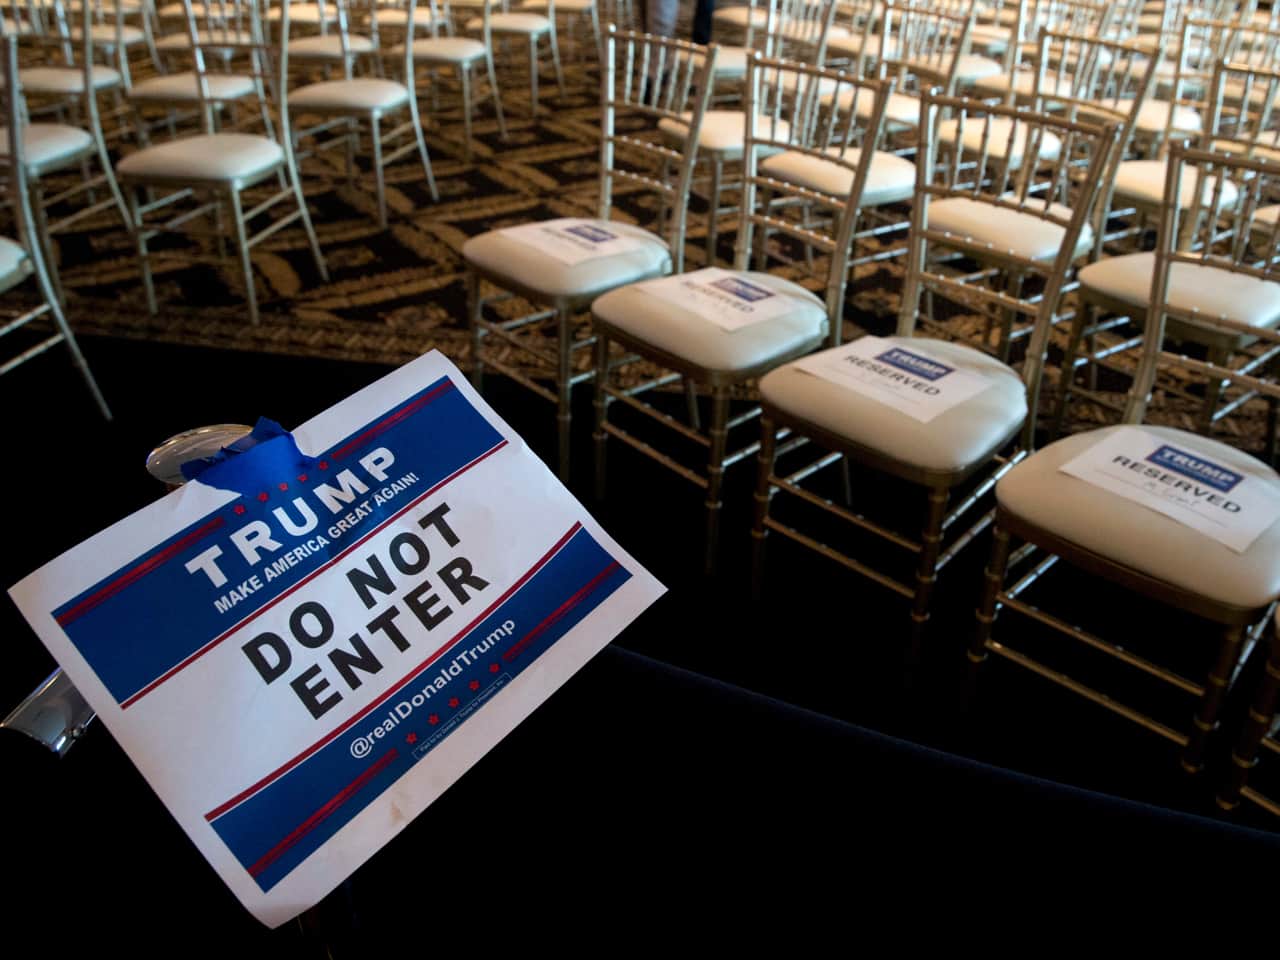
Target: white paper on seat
point(1181, 483)
point(304, 647)
point(910, 381)
point(573, 240)
point(723, 297)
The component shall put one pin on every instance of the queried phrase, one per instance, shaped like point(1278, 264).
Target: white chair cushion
point(739, 16)
point(684, 333)
point(1213, 291)
point(180, 41)
point(730, 62)
point(15, 265)
point(1022, 82)
point(723, 131)
point(49, 145)
point(232, 158)
point(998, 141)
point(532, 23)
point(973, 67)
point(1142, 182)
point(104, 35)
point(499, 255)
point(184, 87)
point(1153, 117)
point(1000, 229)
point(989, 37)
point(308, 13)
point(445, 49)
point(891, 178)
point(328, 46)
point(1144, 540)
point(397, 18)
point(956, 439)
point(850, 45)
point(574, 6)
point(902, 107)
point(369, 94)
point(66, 80)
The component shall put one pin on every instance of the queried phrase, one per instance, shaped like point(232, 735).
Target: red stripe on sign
point(559, 612)
point(317, 818)
point(339, 731)
point(312, 575)
point(137, 573)
point(391, 420)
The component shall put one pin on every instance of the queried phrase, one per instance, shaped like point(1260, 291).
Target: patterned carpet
point(397, 292)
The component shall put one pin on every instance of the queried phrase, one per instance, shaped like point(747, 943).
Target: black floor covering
point(722, 748)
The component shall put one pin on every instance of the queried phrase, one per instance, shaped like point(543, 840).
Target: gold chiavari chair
point(206, 177)
point(723, 330)
point(24, 259)
point(943, 417)
point(1167, 515)
point(645, 80)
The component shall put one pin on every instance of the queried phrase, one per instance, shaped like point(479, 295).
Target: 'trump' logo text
point(1197, 468)
point(914, 363)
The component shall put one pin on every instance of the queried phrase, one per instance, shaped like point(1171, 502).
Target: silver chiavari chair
point(784, 113)
point(215, 170)
point(1258, 743)
point(953, 454)
point(1074, 500)
point(24, 258)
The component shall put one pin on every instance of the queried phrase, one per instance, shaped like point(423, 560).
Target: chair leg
point(246, 265)
point(533, 75)
point(475, 311)
point(600, 403)
point(993, 580)
point(719, 434)
point(144, 258)
point(45, 239)
point(422, 146)
point(691, 403)
point(464, 76)
point(713, 216)
point(1066, 374)
point(759, 532)
point(497, 96)
point(292, 174)
point(555, 58)
point(564, 388)
point(1206, 718)
point(927, 568)
point(379, 177)
point(1244, 756)
point(1213, 391)
point(595, 32)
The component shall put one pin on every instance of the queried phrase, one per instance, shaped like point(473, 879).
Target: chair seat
point(901, 108)
point(15, 265)
point(723, 131)
point(990, 37)
point(498, 254)
point(50, 145)
point(184, 87)
point(973, 67)
point(104, 35)
point(891, 178)
point(305, 13)
point(1023, 82)
point(209, 41)
point(1000, 229)
point(851, 45)
point(527, 23)
point(1210, 290)
point(1117, 528)
point(1142, 182)
point(445, 50)
point(66, 80)
point(686, 334)
point(1153, 117)
point(328, 46)
point(730, 62)
point(365, 94)
point(740, 16)
point(235, 159)
point(398, 17)
point(999, 142)
point(571, 6)
point(954, 441)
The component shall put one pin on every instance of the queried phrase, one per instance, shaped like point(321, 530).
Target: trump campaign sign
point(308, 643)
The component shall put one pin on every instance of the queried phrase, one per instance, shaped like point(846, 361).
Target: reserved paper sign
point(728, 299)
point(306, 645)
point(1182, 483)
point(907, 379)
point(573, 240)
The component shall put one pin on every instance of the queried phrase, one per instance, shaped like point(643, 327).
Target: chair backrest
point(789, 119)
point(1239, 243)
point(998, 170)
point(798, 29)
point(646, 80)
point(13, 164)
point(921, 46)
point(216, 28)
point(1076, 18)
point(1242, 102)
point(1095, 79)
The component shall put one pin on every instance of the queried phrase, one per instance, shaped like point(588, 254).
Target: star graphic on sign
point(239, 508)
point(453, 701)
point(324, 464)
point(433, 719)
point(493, 668)
point(302, 478)
point(263, 496)
point(474, 684)
point(411, 739)
point(283, 486)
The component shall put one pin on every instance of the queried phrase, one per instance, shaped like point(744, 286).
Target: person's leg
point(660, 17)
point(702, 21)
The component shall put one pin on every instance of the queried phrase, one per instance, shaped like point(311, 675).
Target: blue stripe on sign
point(273, 830)
point(148, 618)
